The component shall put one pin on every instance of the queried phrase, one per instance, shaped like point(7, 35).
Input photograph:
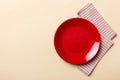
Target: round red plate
point(77, 41)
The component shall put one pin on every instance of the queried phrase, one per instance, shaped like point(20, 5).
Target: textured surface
point(90, 13)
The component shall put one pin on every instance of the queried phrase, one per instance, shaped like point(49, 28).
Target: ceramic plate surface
point(77, 41)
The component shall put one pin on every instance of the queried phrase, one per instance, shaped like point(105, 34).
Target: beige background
point(27, 30)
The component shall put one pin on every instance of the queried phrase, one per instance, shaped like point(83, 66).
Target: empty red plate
point(77, 41)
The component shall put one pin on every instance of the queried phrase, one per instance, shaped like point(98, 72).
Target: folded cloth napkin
point(90, 13)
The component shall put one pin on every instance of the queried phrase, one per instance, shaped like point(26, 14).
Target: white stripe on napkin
point(90, 13)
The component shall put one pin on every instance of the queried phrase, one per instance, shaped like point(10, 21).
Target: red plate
point(77, 41)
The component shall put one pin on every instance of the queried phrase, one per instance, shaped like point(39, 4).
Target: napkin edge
point(84, 8)
point(88, 74)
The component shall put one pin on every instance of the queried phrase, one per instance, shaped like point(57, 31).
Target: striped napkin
point(90, 13)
